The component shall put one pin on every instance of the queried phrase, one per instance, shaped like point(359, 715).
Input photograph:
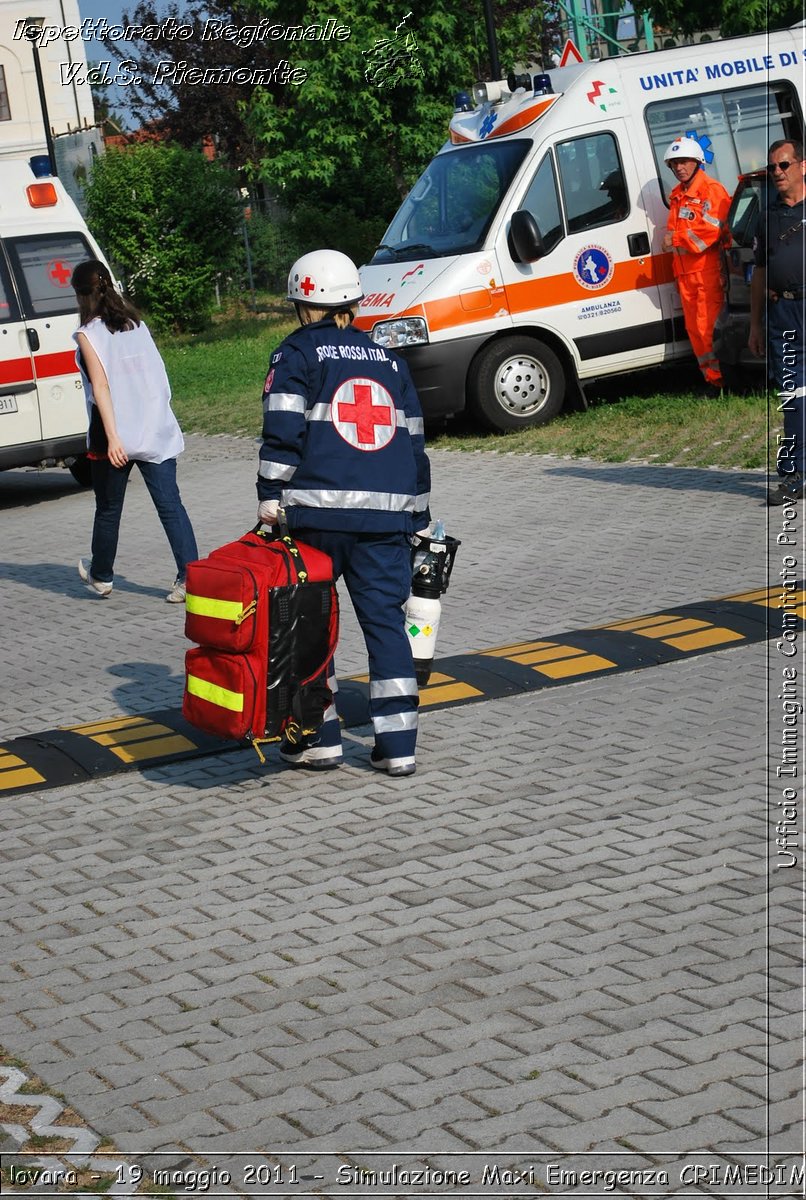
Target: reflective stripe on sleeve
point(275, 470)
point(284, 402)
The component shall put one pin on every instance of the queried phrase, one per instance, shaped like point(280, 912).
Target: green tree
point(169, 220)
point(377, 103)
point(730, 17)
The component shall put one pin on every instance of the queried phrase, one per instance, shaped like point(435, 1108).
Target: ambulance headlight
point(405, 331)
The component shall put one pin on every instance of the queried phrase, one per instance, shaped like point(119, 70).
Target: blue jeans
point(109, 484)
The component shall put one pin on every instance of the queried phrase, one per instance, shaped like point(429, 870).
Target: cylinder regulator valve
point(432, 558)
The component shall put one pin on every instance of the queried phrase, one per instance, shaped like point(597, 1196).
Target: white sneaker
point(95, 585)
point(177, 593)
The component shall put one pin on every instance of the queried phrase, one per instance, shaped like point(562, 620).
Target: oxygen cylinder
point(432, 562)
point(422, 627)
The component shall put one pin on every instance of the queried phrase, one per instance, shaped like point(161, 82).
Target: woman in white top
point(130, 421)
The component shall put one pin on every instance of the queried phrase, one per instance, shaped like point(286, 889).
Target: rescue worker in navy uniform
point(344, 455)
point(777, 286)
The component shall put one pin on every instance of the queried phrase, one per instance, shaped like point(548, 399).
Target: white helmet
point(685, 147)
point(325, 279)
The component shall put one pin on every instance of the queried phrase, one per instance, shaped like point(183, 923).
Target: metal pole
point(249, 265)
point(492, 45)
point(32, 32)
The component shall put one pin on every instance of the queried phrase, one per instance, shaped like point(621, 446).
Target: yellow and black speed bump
point(85, 752)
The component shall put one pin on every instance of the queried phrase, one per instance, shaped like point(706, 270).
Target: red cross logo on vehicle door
point(363, 413)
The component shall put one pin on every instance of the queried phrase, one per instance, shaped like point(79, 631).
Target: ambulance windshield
point(450, 207)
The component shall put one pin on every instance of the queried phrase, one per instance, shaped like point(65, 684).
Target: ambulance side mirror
point(524, 239)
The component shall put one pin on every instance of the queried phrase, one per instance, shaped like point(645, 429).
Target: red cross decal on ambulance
point(60, 273)
point(363, 413)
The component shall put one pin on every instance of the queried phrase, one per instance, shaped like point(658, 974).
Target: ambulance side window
point(8, 302)
point(43, 265)
point(734, 127)
point(542, 202)
point(592, 182)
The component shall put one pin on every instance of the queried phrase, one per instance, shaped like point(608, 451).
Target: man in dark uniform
point(777, 288)
point(344, 454)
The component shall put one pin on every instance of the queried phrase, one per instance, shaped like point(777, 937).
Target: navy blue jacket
point(343, 445)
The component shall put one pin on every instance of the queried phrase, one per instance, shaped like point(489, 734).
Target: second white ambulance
point(527, 261)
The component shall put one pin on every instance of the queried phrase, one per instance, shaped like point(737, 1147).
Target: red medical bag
point(265, 613)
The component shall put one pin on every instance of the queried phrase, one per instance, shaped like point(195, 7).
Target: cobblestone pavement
point(565, 935)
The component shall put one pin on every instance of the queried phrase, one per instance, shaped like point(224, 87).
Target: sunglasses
point(779, 166)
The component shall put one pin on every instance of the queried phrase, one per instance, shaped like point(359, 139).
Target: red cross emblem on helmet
point(307, 285)
point(363, 413)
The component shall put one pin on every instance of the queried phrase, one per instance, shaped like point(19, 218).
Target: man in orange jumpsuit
point(698, 208)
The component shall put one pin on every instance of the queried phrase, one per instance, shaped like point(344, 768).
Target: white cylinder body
point(422, 626)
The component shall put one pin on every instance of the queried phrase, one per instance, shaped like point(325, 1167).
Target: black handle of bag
point(285, 537)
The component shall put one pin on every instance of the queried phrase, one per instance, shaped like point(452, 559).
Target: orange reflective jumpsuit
point(697, 213)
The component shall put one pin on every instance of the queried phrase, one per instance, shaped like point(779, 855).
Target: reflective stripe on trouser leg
point(702, 296)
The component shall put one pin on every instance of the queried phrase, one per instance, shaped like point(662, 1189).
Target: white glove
point(267, 511)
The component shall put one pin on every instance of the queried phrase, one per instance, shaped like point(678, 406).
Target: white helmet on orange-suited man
point(685, 147)
point(325, 279)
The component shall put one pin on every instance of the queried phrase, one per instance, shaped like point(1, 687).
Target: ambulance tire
point(516, 382)
point(81, 470)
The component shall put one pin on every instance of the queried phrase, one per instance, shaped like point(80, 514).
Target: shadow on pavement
point(690, 479)
point(62, 579)
point(19, 489)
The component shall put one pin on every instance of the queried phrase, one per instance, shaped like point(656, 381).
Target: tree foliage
point(730, 17)
point(168, 219)
point(380, 100)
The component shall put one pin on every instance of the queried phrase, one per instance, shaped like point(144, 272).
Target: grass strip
point(660, 415)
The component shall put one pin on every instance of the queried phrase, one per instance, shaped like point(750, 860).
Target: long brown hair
point(97, 297)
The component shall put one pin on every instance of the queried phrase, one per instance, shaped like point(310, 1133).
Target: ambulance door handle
point(638, 243)
point(33, 339)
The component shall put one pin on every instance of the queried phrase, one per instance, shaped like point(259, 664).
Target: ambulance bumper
point(439, 371)
point(36, 454)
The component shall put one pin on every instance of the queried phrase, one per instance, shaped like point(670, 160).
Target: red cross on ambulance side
point(59, 272)
point(363, 413)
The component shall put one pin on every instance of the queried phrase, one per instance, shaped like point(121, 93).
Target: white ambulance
point(43, 415)
point(526, 260)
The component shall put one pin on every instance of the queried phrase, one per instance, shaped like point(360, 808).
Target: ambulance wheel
point(516, 382)
point(81, 471)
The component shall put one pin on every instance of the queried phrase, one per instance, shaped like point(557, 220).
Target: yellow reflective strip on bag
point(205, 606)
point(215, 694)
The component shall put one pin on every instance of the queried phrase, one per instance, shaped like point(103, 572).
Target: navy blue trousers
point(376, 569)
point(787, 365)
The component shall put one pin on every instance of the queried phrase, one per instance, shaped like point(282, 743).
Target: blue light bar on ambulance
point(542, 85)
point(40, 165)
point(462, 102)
